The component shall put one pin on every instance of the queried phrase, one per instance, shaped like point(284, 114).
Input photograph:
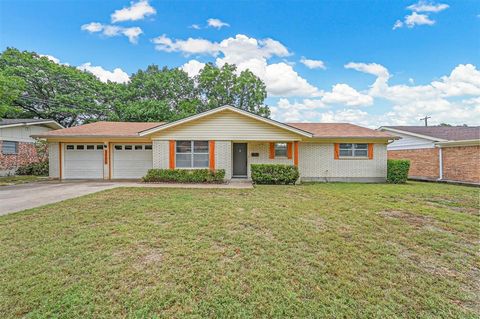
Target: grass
point(320, 250)
point(20, 179)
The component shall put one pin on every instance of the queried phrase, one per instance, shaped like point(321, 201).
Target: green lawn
point(320, 250)
point(20, 179)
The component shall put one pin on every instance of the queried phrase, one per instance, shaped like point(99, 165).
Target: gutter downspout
point(440, 164)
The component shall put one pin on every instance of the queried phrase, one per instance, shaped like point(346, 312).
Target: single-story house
point(17, 148)
point(222, 138)
point(443, 153)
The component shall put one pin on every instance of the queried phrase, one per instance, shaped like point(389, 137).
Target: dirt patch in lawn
point(413, 220)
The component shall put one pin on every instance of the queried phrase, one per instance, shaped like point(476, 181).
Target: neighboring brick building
point(17, 148)
point(442, 153)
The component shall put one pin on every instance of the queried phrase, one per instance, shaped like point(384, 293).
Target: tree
point(10, 89)
point(51, 90)
point(221, 86)
point(158, 95)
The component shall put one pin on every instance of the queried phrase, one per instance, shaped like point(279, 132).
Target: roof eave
point(459, 143)
point(427, 137)
point(84, 136)
point(50, 123)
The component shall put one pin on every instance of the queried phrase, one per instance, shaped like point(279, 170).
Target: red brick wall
point(423, 161)
point(461, 163)
point(27, 153)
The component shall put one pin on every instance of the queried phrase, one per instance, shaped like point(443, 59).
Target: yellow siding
point(226, 125)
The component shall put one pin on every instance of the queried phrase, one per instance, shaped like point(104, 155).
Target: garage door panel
point(131, 161)
point(83, 163)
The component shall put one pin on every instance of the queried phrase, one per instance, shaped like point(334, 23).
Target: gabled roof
point(27, 122)
point(230, 108)
point(104, 129)
point(341, 130)
point(438, 133)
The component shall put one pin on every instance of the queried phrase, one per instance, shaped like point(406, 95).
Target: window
point(280, 149)
point(353, 150)
point(118, 147)
point(70, 147)
point(80, 147)
point(128, 147)
point(99, 147)
point(138, 147)
point(148, 147)
point(90, 147)
point(9, 147)
point(191, 154)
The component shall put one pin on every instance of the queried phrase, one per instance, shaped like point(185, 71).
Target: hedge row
point(38, 169)
point(184, 176)
point(397, 171)
point(276, 174)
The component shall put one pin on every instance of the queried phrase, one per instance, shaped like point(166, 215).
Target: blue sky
point(367, 62)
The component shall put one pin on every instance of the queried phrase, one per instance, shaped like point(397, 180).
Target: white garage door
point(131, 160)
point(83, 161)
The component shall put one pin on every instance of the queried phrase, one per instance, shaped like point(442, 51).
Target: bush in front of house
point(397, 171)
point(37, 169)
point(184, 176)
point(274, 174)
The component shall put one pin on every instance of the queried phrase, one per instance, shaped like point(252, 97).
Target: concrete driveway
point(19, 197)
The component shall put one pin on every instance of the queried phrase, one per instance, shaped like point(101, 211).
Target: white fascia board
point(430, 138)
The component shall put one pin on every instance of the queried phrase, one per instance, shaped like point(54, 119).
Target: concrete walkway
point(20, 197)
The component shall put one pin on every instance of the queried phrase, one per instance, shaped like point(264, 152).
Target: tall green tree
point(50, 90)
point(222, 86)
point(10, 89)
point(158, 95)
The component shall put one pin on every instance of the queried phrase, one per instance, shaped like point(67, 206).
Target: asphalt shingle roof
point(449, 133)
point(342, 130)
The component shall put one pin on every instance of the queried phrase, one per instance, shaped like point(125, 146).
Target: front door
point(239, 159)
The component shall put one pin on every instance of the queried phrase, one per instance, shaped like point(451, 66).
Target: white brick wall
point(316, 162)
point(223, 157)
point(263, 150)
point(53, 161)
point(160, 154)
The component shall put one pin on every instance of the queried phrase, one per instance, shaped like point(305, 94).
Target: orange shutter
point(289, 150)
point(336, 153)
point(272, 150)
point(211, 147)
point(295, 153)
point(172, 155)
point(370, 151)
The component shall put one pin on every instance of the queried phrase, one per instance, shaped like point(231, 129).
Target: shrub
point(397, 171)
point(184, 176)
point(37, 169)
point(277, 174)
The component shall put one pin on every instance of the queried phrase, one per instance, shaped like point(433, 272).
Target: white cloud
point(453, 98)
point(312, 64)
point(92, 27)
point(187, 47)
point(192, 67)
point(195, 26)
point(247, 53)
point(136, 11)
point(117, 75)
point(397, 24)
point(346, 95)
point(414, 19)
point(132, 33)
point(217, 23)
point(424, 6)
